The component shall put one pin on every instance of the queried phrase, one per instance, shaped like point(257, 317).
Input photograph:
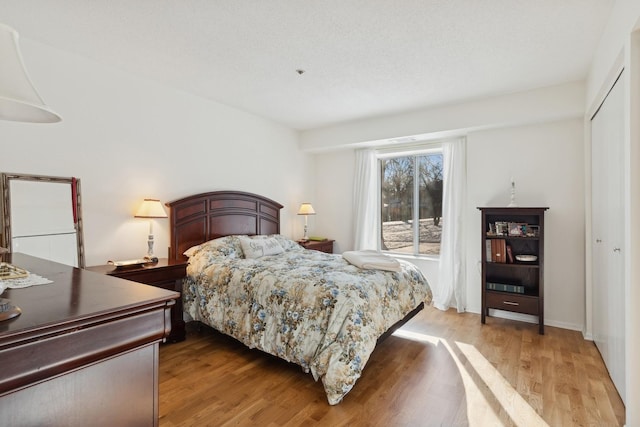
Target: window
point(411, 203)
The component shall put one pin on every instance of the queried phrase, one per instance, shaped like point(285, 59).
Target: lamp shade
point(151, 208)
point(306, 209)
point(19, 100)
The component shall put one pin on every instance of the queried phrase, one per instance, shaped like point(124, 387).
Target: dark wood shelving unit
point(527, 276)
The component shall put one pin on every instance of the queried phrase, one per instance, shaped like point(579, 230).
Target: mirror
point(42, 216)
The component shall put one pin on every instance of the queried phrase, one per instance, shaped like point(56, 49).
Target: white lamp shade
point(306, 209)
point(151, 208)
point(19, 100)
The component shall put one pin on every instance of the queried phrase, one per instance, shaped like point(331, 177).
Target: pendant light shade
point(19, 100)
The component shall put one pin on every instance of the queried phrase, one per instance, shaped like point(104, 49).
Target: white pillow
point(256, 248)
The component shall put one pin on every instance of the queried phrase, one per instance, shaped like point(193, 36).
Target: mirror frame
point(5, 218)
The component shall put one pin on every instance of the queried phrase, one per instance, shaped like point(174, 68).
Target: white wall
point(127, 138)
point(333, 201)
point(546, 162)
point(533, 106)
point(541, 149)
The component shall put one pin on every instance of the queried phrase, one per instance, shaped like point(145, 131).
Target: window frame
point(415, 152)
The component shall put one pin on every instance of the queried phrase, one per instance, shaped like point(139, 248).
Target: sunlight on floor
point(471, 363)
point(415, 336)
point(518, 409)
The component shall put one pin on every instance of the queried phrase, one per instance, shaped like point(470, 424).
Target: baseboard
point(534, 319)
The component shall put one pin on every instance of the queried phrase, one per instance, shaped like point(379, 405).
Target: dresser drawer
point(512, 302)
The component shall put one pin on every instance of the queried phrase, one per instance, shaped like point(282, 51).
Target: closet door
point(607, 139)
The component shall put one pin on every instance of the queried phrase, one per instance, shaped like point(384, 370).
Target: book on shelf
point(498, 251)
point(509, 254)
point(504, 287)
point(502, 246)
point(488, 250)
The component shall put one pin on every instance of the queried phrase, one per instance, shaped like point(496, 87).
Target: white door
point(599, 163)
point(607, 140)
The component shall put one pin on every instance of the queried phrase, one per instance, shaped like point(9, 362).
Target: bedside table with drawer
point(318, 245)
point(165, 274)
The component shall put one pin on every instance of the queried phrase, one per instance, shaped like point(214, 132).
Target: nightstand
point(318, 245)
point(165, 274)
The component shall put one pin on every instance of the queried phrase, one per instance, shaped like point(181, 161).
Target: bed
point(307, 307)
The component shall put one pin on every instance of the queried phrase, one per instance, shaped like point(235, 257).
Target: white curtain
point(451, 289)
point(366, 209)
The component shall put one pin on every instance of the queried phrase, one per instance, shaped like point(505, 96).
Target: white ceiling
point(362, 58)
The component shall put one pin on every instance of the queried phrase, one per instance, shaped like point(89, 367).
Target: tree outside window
point(411, 211)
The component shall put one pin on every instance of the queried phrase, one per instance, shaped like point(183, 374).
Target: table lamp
point(151, 208)
point(306, 209)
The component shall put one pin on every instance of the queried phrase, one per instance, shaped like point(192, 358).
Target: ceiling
point(362, 58)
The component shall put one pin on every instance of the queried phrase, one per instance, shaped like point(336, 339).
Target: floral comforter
point(304, 306)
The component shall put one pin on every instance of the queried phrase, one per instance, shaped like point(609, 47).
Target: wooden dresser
point(84, 351)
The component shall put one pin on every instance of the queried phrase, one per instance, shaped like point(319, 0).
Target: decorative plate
point(526, 258)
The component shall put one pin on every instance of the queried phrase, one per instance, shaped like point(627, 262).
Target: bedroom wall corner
point(334, 198)
point(547, 163)
point(128, 138)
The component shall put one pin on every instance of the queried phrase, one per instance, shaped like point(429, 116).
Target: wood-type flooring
point(440, 369)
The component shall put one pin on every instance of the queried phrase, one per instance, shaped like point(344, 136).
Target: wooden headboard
point(202, 217)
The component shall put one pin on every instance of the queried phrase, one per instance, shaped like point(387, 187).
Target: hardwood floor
point(440, 369)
